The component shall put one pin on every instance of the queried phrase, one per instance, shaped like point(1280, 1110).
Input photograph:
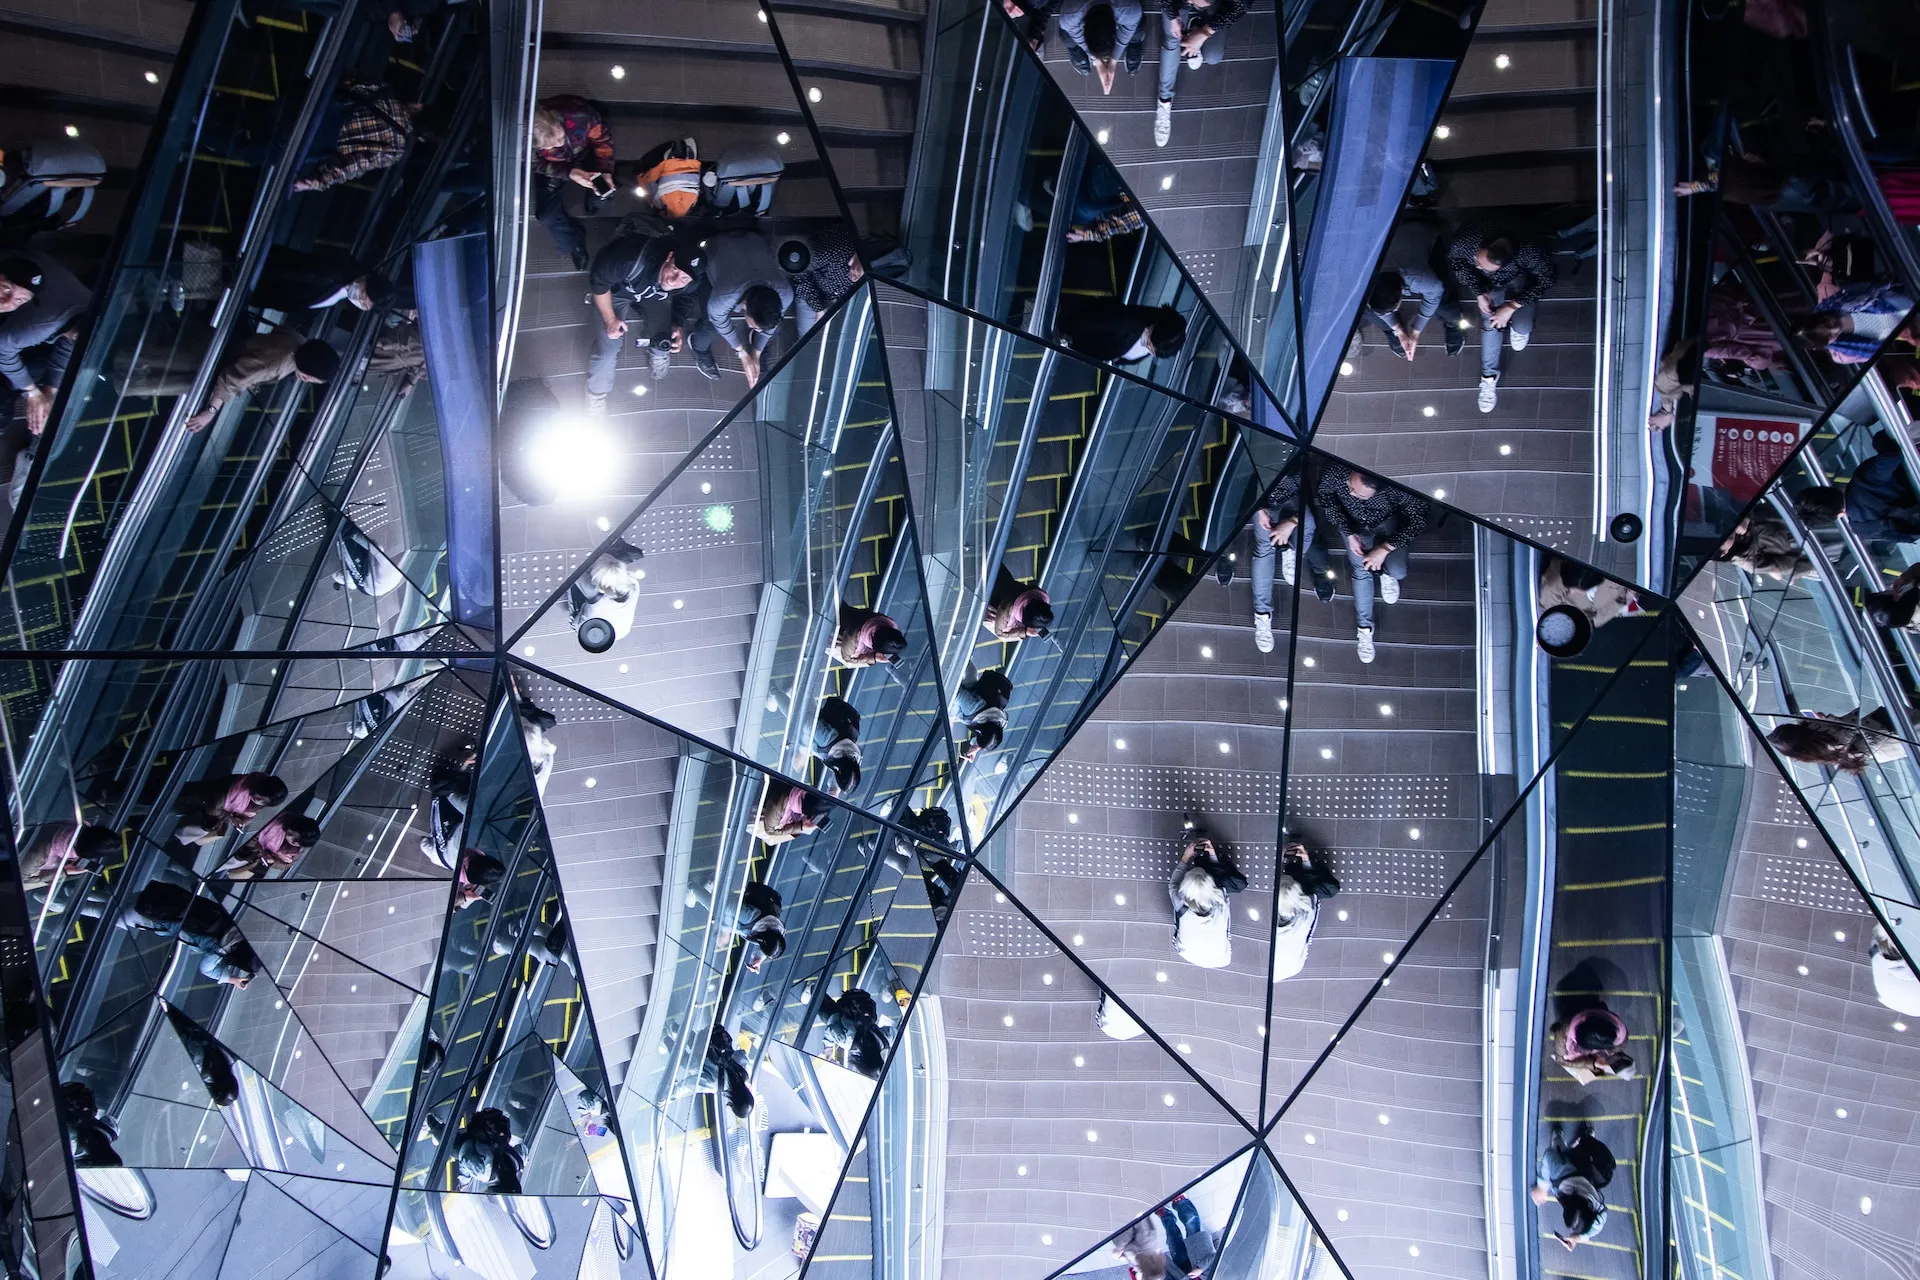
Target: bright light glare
point(575, 456)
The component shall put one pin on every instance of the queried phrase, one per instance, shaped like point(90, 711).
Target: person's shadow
point(1584, 986)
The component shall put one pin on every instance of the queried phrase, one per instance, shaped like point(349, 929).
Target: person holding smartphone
point(572, 143)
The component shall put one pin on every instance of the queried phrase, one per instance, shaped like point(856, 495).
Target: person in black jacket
point(851, 1024)
point(1575, 1176)
point(631, 271)
point(1376, 521)
point(981, 703)
point(836, 743)
point(212, 1061)
point(296, 280)
point(484, 1155)
point(1120, 332)
point(90, 1133)
point(1192, 31)
point(758, 924)
point(1506, 274)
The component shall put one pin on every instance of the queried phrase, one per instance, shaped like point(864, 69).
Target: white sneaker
point(1193, 61)
point(1488, 395)
point(1287, 564)
point(1516, 339)
point(1263, 632)
point(1389, 589)
point(1162, 123)
point(596, 405)
point(1364, 643)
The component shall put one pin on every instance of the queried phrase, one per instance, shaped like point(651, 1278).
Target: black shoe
point(580, 259)
point(1078, 57)
point(705, 363)
point(1456, 339)
point(1323, 587)
point(1223, 570)
point(1134, 52)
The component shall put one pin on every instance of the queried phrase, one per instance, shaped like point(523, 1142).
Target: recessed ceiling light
point(1021, 1170)
point(1386, 957)
point(1801, 970)
point(1866, 1204)
point(73, 131)
point(1166, 183)
point(1167, 1098)
point(618, 72)
point(1006, 1020)
point(1160, 976)
point(999, 897)
point(1119, 899)
point(1385, 1118)
point(1073, 818)
point(1046, 979)
point(153, 77)
point(1413, 1250)
point(1443, 131)
point(1899, 1026)
point(1342, 1215)
point(623, 668)
point(602, 523)
point(1184, 1047)
point(639, 191)
point(706, 486)
point(1326, 753)
point(1206, 651)
point(1502, 61)
point(813, 94)
point(1079, 939)
point(1840, 1112)
point(783, 137)
point(762, 15)
point(1346, 366)
point(1801, 843)
point(1253, 913)
point(528, 650)
point(1120, 744)
point(1440, 493)
point(1505, 449)
point(591, 783)
point(1309, 661)
point(1839, 935)
point(1093, 1135)
point(1079, 1061)
point(1386, 708)
point(1101, 137)
point(1343, 913)
point(1310, 1139)
point(1226, 748)
point(639, 388)
point(679, 604)
point(1413, 833)
point(1427, 411)
point(1045, 1238)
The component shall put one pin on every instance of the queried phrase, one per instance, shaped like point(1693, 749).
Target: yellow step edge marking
point(1614, 884)
point(1610, 942)
point(1613, 831)
point(1612, 776)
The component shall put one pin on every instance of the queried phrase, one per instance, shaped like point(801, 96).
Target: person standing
point(1574, 1176)
point(1098, 33)
point(1376, 521)
point(572, 145)
point(1506, 274)
point(1282, 525)
point(40, 306)
point(1406, 274)
point(374, 131)
point(634, 270)
point(748, 294)
point(1204, 875)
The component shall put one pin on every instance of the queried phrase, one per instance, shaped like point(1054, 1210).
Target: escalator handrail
point(1887, 230)
point(1536, 927)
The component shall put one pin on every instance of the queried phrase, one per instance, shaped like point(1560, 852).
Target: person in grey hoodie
point(40, 303)
point(749, 293)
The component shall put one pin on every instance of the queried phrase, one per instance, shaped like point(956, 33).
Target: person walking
point(1015, 609)
point(1591, 1045)
point(601, 605)
point(748, 294)
point(981, 704)
point(40, 305)
point(788, 810)
point(1119, 332)
point(864, 637)
point(1506, 274)
point(1376, 521)
point(758, 926)
point(836, 743)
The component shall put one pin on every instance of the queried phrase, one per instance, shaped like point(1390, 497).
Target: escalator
point(1608, 931)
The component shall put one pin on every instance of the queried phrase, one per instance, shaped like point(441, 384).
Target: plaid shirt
point(589, 143)
point(1392, 512)
point(373, 136)
point(1526, 278)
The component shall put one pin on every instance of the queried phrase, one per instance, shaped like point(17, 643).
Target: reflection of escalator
point(125, 1191)
point(736, 1151)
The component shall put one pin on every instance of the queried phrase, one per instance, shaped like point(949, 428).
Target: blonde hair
point(1199, 892)
point(612, 577)
point(546, 123)
point(1291, 902)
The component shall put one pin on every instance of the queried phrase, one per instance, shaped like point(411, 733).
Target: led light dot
point(1346, 368)
point(153, 77)
point(618, 72)
point(1119, 899)
point(1443, 131)
point(1502, 61)
point(813, 94)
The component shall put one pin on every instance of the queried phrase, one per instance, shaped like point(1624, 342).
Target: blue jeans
point(605, 361)
point(550, 211)
point(1395, 568)
point(1492, 338)
point(1265, 553)
point(1210, 53)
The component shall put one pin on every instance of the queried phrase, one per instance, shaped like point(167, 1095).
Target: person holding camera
point(572, 143)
